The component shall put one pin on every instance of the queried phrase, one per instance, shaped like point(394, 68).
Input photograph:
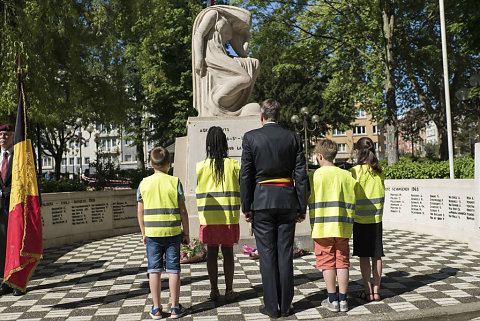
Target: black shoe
point(5, 289)
point(263, 310)
point(17, 292)
point(288, 313)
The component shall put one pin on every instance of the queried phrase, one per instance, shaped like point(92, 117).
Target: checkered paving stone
point(106, 280)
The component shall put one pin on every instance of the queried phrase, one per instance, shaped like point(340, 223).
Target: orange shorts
point(332, 253)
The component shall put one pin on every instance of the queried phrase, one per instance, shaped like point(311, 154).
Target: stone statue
point(222, 83)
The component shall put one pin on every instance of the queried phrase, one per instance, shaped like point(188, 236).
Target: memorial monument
point(223, 79)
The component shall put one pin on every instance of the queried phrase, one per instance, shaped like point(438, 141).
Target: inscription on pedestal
point(79, 212)
point(98, 211)
point(396, 203)
point(436, 208)
point(121, 211)
point(417, 206)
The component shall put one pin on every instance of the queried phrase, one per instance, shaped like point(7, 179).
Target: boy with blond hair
point(332, 209)
point(161, 215)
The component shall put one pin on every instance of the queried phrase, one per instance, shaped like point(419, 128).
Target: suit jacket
point(272, 152)
point(6, 186)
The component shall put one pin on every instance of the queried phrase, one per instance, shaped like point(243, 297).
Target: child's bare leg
point(377, 275)
point(342, 275)
point(155, 282)
point(330, 277)
point(366, 270)
point(228, 266)
point(174, 284)
point(212, 266)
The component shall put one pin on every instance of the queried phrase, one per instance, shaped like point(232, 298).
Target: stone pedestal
point(191, 149)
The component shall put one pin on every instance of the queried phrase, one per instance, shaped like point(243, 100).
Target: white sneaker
point(332, 306)
point(343, 306)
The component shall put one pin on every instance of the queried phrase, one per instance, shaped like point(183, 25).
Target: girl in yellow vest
point(218, 201)
point(367, 228)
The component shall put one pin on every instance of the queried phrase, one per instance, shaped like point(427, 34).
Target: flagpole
point(447, 89)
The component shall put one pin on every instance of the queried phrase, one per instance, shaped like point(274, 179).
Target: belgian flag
point(24, 235)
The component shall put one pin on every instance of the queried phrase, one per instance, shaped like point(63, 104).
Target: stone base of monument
point(191, 149)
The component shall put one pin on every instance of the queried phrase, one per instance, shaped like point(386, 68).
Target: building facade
point(363, 126)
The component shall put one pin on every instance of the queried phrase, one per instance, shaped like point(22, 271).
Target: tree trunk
point(58, 165)
point(388, 21)
point(140, 157)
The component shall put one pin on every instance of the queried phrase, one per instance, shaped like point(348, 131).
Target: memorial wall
point(440, 207)
point(80, 216)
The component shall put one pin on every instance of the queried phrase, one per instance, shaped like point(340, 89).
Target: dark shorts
point(168, 246)
point(367, 240)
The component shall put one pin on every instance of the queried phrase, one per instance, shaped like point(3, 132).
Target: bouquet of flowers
point(193, 252)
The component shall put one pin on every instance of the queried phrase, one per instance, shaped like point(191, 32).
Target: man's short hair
point(327, 148)
point(160, 157)
point(270, 110)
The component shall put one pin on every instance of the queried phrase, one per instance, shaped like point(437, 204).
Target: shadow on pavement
point(414, 282)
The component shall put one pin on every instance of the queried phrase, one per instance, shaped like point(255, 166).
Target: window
point(86, 143)
point(79, 160)
point(87, 160)
point(342, 148)
point(431, 132)
point(47, 161)
point(128, 142)
point(71, 161)
point(338, 132)
point(128, 158)
point(360, 114)
point(64, 161)
point(374, 129)
point(376, 147)
point(359, 130)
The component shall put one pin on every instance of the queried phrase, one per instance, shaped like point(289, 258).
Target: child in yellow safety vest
point(161, 215)
point(367, 229)
point(331, 208)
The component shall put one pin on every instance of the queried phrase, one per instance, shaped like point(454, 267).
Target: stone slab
point(234, 128)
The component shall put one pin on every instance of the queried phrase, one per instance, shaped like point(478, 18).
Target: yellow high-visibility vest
point(332, 203)
point(370, 194)
point(161, 214)
point(218, 204)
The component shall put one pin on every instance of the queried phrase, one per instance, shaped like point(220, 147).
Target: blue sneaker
point(177, 312)
point(156, 314)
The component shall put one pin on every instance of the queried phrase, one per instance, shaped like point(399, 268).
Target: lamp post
point(296, 120)
point(463, 94)
point(97, 142)
point(80, 140)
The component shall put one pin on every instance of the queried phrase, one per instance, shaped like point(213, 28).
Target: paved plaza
point(106, 280)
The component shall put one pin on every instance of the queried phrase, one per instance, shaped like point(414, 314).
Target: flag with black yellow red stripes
point(24, 236)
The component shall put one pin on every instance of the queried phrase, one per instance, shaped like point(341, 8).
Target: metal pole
point(306, 141)
point(447, 89)
point(80, 142)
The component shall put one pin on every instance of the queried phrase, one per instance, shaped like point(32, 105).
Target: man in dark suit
point(273, 185)
point(6, 156)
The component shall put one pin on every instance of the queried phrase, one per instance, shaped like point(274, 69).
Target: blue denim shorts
point(157, 247)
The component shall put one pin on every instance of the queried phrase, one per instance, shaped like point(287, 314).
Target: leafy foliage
point(61, 185)
point(406, 169)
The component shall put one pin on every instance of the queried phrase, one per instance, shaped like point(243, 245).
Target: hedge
point(428, 169)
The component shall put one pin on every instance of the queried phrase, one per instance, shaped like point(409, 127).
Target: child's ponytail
point(366, 154)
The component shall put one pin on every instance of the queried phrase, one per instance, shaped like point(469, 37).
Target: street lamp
point(80, 140)
point(463, 94)
point(97, 142)
point(296, 120)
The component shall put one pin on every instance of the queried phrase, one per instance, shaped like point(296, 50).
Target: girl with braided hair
point(367, 227)
point(218, 201)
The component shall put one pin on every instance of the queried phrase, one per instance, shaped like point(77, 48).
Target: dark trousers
point(3, 234)
point(274, 233)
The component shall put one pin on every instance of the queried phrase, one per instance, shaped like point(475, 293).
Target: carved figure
point(222, 83)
